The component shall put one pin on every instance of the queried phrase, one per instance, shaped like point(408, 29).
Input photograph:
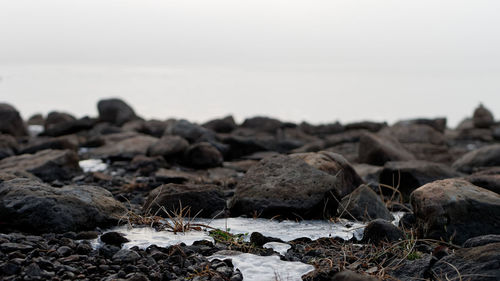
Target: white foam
point(266, 268)
point(92, 165)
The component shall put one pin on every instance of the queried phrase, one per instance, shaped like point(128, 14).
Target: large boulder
point(11, 122)
point(115, 111)
point(124, 148)
point(48, 165)
point(410, 175)
point(204, 201)
point(455, 210)
point(482, 117)
point(203, 155)
point(35, 207)
point(286, 187)
point(335, 165)
point(486, 156)
point(363, 204)
point(376, 150)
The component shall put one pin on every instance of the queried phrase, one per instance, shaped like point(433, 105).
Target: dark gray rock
point(263, 124)
point(285, 186)
point(222, 125)
point(378, 231)
point(126, 148)
point(321, 130)
point(486, 156)
point(169, 147)
point(335, 165)
point(48, 165)
point(189, 131)
point(414, 133)
point(203, 155)
point(363, 204)
point(348, 275)
point(366, 125)
point(481, 240)
point(114, 238)
point(35, 207)
point(202, 200)
point(410, 175)
point(126, 256)
point(482, 117)
point(439, 124)
point(487, 179)
point(40, 143)
point(69, 127)
point(11, 122)
point(455, 210)
point(54, 118)
point(8, 146)
point(115, 111)
point(377, 150)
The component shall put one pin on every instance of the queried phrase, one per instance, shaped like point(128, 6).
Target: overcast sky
point(373, 40)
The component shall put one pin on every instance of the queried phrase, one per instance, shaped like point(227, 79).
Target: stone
point(486, 156)
point(36, 119)
point(173, 176)
point(377, 150)
point(114, 238)
point(264, 124)
point(414, 133)
point(285, 186)
point(203, 200)
point(222, 125)
point(69, 127)
point(203, 155)
point(487, 179)
point(482, 117)
point(11, 122)
point(481, 240)
point(8, 146)
point(348, 275)
point(369, 173)
point(366, 125)
point(410, 175)
point(115, 111)
point(126, 256)
point(455, 210)
point(54, 118)
point(48, 165)
point(189, 131)
point(40, 143)
point(124, 149)
point(35, 207)
point(439, 124)
point(379, 230)
point(363, 204)
point(169, 147)
point(321, 130)
point(335, 165)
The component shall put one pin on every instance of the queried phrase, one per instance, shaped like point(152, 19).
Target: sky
point(313, 60)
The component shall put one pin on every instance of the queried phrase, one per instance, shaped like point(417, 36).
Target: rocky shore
point(64, 182)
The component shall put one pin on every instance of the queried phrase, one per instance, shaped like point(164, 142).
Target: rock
point(169, 147)
point(480, 263)
point(366, 125)
point(377, 150)
point(240, 146)
point(264, 124)
point(455, 210)
point(126, 149)
point(222, 125)
point(114, 238)
point(481, 240)
point(335, 165)
point(369, 173)
point(12, 247)
point(189, 131)
point(48, 165)
point(487, 179)
point(486, 156)
point(321, 130)
point(380, 230)
point(202, 200)
point(348, 275)
point(155, 128)
point(69, 127)
point(482, 117)
point(39, 144)
point(36, 119)
point(363, 204)
point(439, 124)
point(54, 118)
point(410, 175)
point(173, 176)
point(414, 133)
point(11, 122)
point(8, 146)
point(126, 256)
point(285, 186)
point(115, 111)
point(258, 239)
point(35, 207)
point(203, 155)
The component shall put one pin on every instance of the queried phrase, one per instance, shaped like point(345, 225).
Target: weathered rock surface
point(488, 179)
point(115, 111)
point(202, 200)
point(486, 156)
point(222, 125)
point(169, 147)
point(124, 148)
point(379, 230)
point(410, 175)
point(285, 186)
point(264, 124)
point(377, 150)
point(482, 117)
point(455, 210)
point(48, 165)
point(481, 240)
point(335, 165)
point(40, 144)
point(35, 207)
point(363, 204)
point(11, 122)
point(203, 155)
point(8, 146)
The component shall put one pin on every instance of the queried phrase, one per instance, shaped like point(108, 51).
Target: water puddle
point(92, 165)
point(268, 268)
